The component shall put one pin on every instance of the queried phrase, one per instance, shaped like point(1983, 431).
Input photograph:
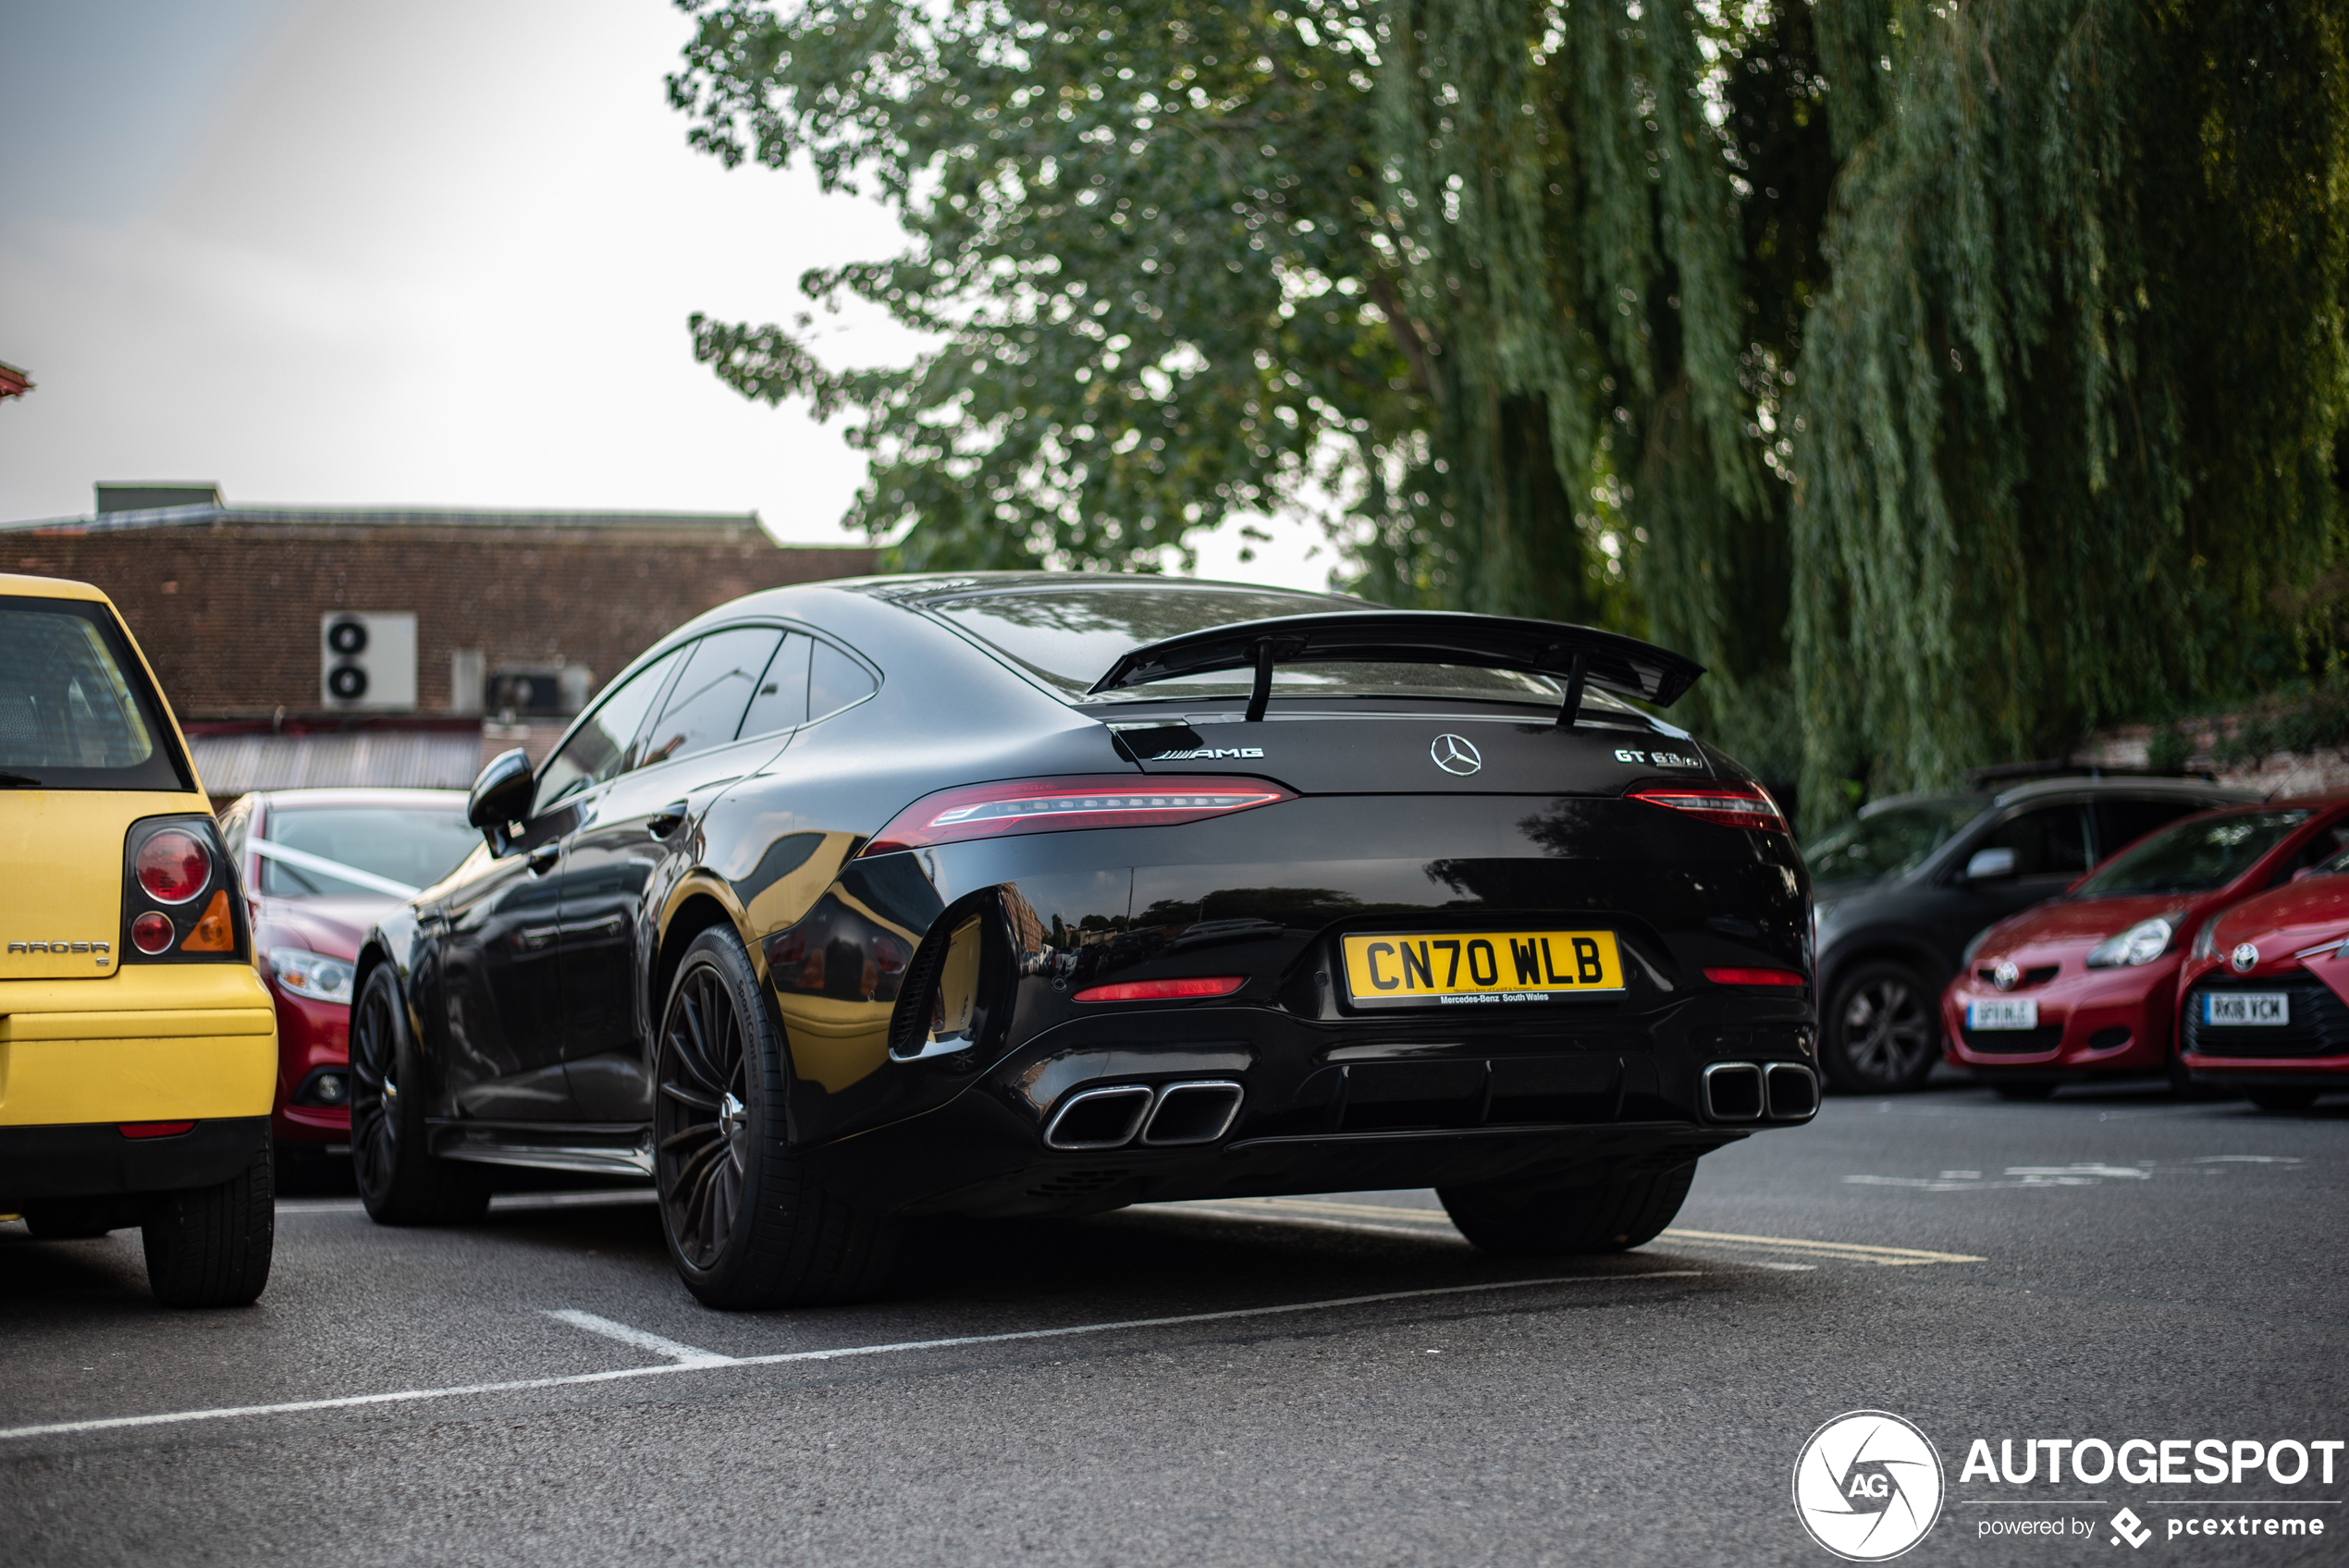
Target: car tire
point(1512, 1222)
point(1881, 1032)
point(746, 1223)
point(2025, 1089)
point(399, 1179)
point(2281, 1100)
point(211, 1246)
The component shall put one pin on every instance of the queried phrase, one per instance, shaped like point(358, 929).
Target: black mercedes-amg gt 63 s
point(1020, 894)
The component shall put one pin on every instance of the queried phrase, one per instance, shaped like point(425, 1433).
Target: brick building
point(512, 618)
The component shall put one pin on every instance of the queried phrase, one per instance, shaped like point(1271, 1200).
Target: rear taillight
point(1755, 977)
point(169, 864)
point(172, 866)
point(1163, 990)
point(1733, 803)
point(1063, 805)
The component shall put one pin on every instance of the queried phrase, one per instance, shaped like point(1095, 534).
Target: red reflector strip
point(1162, 991)
point(155, 1129)
point(1735, 804)
point(1059, 805)
point(1754, 977)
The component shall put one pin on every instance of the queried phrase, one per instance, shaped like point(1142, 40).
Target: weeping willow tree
point(2067, 416)
point(1604, 215)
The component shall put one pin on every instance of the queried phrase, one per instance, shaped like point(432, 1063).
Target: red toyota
point(2087, 985)
point(320, 867)
point(2261, 1007)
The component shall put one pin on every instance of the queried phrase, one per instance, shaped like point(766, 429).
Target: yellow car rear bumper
point(174, 1042)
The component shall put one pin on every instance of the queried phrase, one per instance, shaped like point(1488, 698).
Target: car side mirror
point(1991, 865)
point(500, 796)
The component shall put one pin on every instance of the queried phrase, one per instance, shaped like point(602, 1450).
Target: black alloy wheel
point(746, 1223)
point(701, 1123)
point(399, 1179)
point(1883, 1030)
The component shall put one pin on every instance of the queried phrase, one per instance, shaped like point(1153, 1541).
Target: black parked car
point(1903, 887)
point(1028, 894)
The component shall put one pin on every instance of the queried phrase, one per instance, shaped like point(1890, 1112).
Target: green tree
point(1137, 231)
point(2068, 411)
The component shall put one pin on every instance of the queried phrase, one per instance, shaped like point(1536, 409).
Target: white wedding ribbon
point(334, 868)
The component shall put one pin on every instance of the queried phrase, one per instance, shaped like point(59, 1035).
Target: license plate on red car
point(2237, 1009)
point(2018, 1014)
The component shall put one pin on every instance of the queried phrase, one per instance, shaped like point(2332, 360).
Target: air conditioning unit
point(367, 659)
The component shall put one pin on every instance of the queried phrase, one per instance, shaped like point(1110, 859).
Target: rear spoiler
point(1577, 654)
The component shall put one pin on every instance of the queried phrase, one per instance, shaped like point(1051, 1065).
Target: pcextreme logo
point(1867, 1485)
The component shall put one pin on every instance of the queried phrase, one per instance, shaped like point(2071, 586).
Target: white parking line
point(523, 1385)
point(689, 1356)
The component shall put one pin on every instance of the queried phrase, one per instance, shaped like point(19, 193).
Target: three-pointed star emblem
point(1454, 754)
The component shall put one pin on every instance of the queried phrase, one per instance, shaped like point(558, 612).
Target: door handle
point(542, 860)
point(664, 822)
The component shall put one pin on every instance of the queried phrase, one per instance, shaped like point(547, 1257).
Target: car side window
point(2049, 841)
point(705, 707)
point(781, 702)
point(835, 681)
point(2322, 845)
point(2124, 822)
point(603, 746)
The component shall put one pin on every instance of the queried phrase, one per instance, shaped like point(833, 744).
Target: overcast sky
point(434, 253)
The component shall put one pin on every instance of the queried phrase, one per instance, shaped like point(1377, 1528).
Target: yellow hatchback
point(138, 1050)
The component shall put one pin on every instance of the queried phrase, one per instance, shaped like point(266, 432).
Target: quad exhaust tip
point(1171, 1115)
point(1791, 1091)
point(1745, 1091)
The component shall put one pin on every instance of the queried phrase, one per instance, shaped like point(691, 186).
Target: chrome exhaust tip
point(1732, 1092)
point(1098, 1118)
point(1196, 1112)
point(1792, 1090)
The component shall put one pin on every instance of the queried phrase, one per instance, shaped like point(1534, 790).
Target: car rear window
point(403, 843)
point(2197, 855)
point(1070, 636)
point(76, 709)
point(1888, 841)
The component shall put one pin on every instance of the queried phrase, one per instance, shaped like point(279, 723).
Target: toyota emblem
point(2246, 959)
point(2004, 974)
point(1454, 754)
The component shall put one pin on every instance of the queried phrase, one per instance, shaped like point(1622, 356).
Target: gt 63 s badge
point(1867, 1485)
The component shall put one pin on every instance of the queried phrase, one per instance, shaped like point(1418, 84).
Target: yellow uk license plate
point(1468, 967)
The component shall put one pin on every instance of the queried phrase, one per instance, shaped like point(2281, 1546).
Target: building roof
point(130, 507)
point(414, 759)
point(13, 383)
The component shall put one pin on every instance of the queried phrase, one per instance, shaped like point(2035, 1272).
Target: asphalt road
point(2109, 1266)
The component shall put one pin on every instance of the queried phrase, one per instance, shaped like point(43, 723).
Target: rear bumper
point(38, 1164)
point(173, 1043)
point(1337, 1105)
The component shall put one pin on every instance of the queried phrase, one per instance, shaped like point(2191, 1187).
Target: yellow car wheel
point(211, 1246)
